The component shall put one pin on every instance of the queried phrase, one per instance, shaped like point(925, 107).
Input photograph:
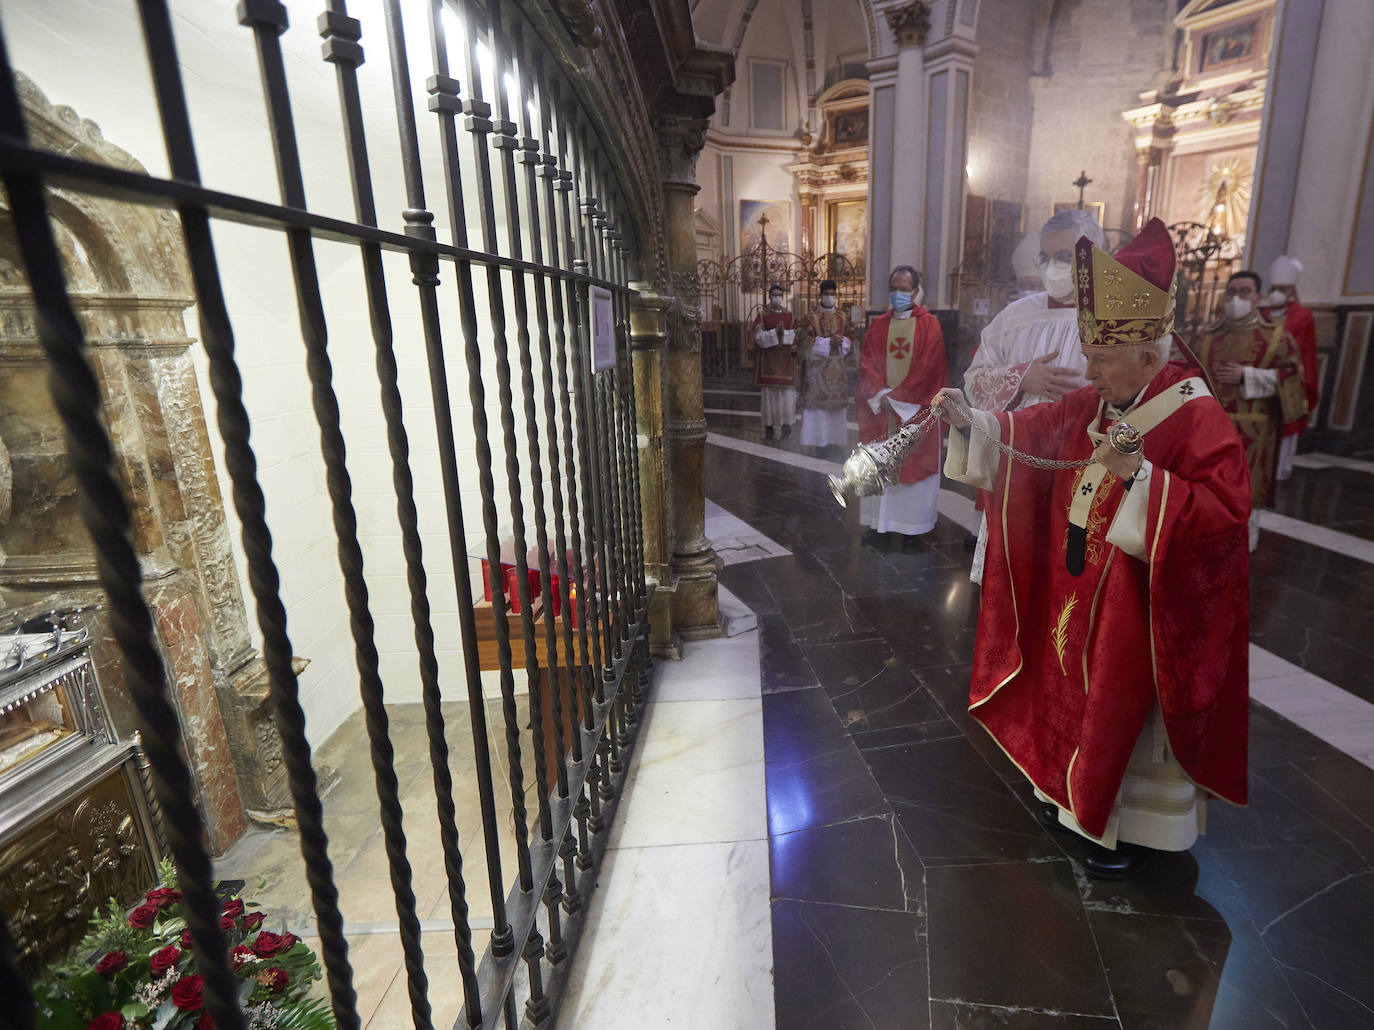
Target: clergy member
point(1029, 353)
point(1284, 307)
point(901, 365)
point(826, 352)
point(1257, 370)
point(775, 364)
point(1112, 655)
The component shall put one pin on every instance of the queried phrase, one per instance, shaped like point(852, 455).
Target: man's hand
point(1230, 373)
point(1123, 466)
point(836, 342)
point(1043, 379)
point(947, 411)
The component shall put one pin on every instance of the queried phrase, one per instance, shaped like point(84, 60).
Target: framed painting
point(758, 218)
point(848, 229)
point(1228, 44)
point(1096, 207)
point(849, 128)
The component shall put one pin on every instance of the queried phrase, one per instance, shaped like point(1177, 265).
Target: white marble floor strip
point(735, 541)
point(1323, 709)
point(1330, 539)
point(689, 853)
point(1318, 460)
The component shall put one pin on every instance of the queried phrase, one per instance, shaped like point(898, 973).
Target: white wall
point(89, 54)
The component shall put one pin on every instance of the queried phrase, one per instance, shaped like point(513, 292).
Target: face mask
point(1238, 308)
point(899, 299)
point(1058, 279)
point(1278, 299)
point(775, 303)
point(827, 301)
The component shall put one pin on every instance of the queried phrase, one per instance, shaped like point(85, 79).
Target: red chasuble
point(777, 365)
point(1066, 667)
point(906, 355)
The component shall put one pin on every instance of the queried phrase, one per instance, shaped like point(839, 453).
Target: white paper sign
point(980, 306)
point(603, 329)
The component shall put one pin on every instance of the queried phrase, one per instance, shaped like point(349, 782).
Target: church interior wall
point(1099, 57)
point(89, 55)
point(1001, 107)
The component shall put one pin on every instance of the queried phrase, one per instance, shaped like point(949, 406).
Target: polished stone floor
point(911, 884)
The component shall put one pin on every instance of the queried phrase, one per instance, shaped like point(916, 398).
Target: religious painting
point(1344, 396)
point(992, 230)
point(849, 128)
point(758, 218)
point(1097, 208)
point(1228, 44)
point(848, 236)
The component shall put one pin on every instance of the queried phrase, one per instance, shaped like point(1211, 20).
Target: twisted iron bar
point(77, 396)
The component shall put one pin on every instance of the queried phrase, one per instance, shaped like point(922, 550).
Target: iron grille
point(541, 230)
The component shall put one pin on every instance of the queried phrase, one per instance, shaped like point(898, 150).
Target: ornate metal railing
point(531, 264)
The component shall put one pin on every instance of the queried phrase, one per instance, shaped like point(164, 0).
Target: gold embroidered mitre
point(1128, 298)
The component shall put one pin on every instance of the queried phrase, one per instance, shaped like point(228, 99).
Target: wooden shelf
point(485, 616)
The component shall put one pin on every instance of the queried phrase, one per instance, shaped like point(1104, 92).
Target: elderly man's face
point(1119, 373)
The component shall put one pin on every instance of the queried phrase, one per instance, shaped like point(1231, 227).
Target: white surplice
point(1024, 330)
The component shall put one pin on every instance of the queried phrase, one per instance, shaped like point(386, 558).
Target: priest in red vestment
point(901, 365)
point(1111, 663)
point(1285, 308)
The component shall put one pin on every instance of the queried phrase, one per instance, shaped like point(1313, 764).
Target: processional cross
point(1082, 183)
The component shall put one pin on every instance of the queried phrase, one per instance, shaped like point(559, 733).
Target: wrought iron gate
point(546, 213)
point(734, 291)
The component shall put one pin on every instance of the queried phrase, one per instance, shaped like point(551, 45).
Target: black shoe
point(873, 537)
point(1122, 864)
point(1049, 817)
point(912, 543)
point(971, 543)
point(786, 432)
point(768, 432)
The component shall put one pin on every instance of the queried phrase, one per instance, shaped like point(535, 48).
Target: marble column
point(948, 67)
point(692, 560)
point(649, 352)
point(882, 131)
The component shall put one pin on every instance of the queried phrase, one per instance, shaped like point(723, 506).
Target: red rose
point(113, 962)
point(252, 921)
point(142, 917)
point(163, 960)
point(275, 979)
point(226, 923)
point(162, 897)
point(233, 908)
point(205, 1022)
point(241, 956)
point(267, 943)
point(188, 993)
point(185, 940)
point(106, 1021)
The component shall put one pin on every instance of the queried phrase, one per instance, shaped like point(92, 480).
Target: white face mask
point(827, 301)
point(1278, 299)
point(1058, 279)
point(775, 303)
point(1238, 308)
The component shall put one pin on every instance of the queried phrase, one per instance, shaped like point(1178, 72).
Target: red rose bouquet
point(136, 970)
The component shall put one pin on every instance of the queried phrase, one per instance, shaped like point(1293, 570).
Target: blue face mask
point(899, 299)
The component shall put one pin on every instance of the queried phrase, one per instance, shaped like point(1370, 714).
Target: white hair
point(1162, 347)
point(1080, 223)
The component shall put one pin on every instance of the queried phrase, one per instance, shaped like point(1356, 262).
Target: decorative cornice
point(909, 24)
point(579, 18)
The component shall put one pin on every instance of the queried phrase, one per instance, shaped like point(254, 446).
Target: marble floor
point(911, 885)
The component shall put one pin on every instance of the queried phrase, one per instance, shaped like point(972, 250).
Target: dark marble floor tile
point(1177, 884)
point(946, 1015)
point(901, 736)
point(1323, 944)
point(843, 666)
point(1272, 819)
point(819, 620)
point(860, 570)
point(1191, 974)
point(800, 724)
point(954, 808)
point(925, 630)
point(1276, 741)
point(782, 663)
point(1296, 785)
point(746, 581)
point(891, 698)
point(821, 790)
point(1015, 935)
point(799, 575)
point(1349, 781)
point(837, 966)
point(1269, 882)
point(864, 863)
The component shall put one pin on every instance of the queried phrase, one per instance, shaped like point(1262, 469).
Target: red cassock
point(1066, 668)
point(908, 357)
point(1298, 321)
